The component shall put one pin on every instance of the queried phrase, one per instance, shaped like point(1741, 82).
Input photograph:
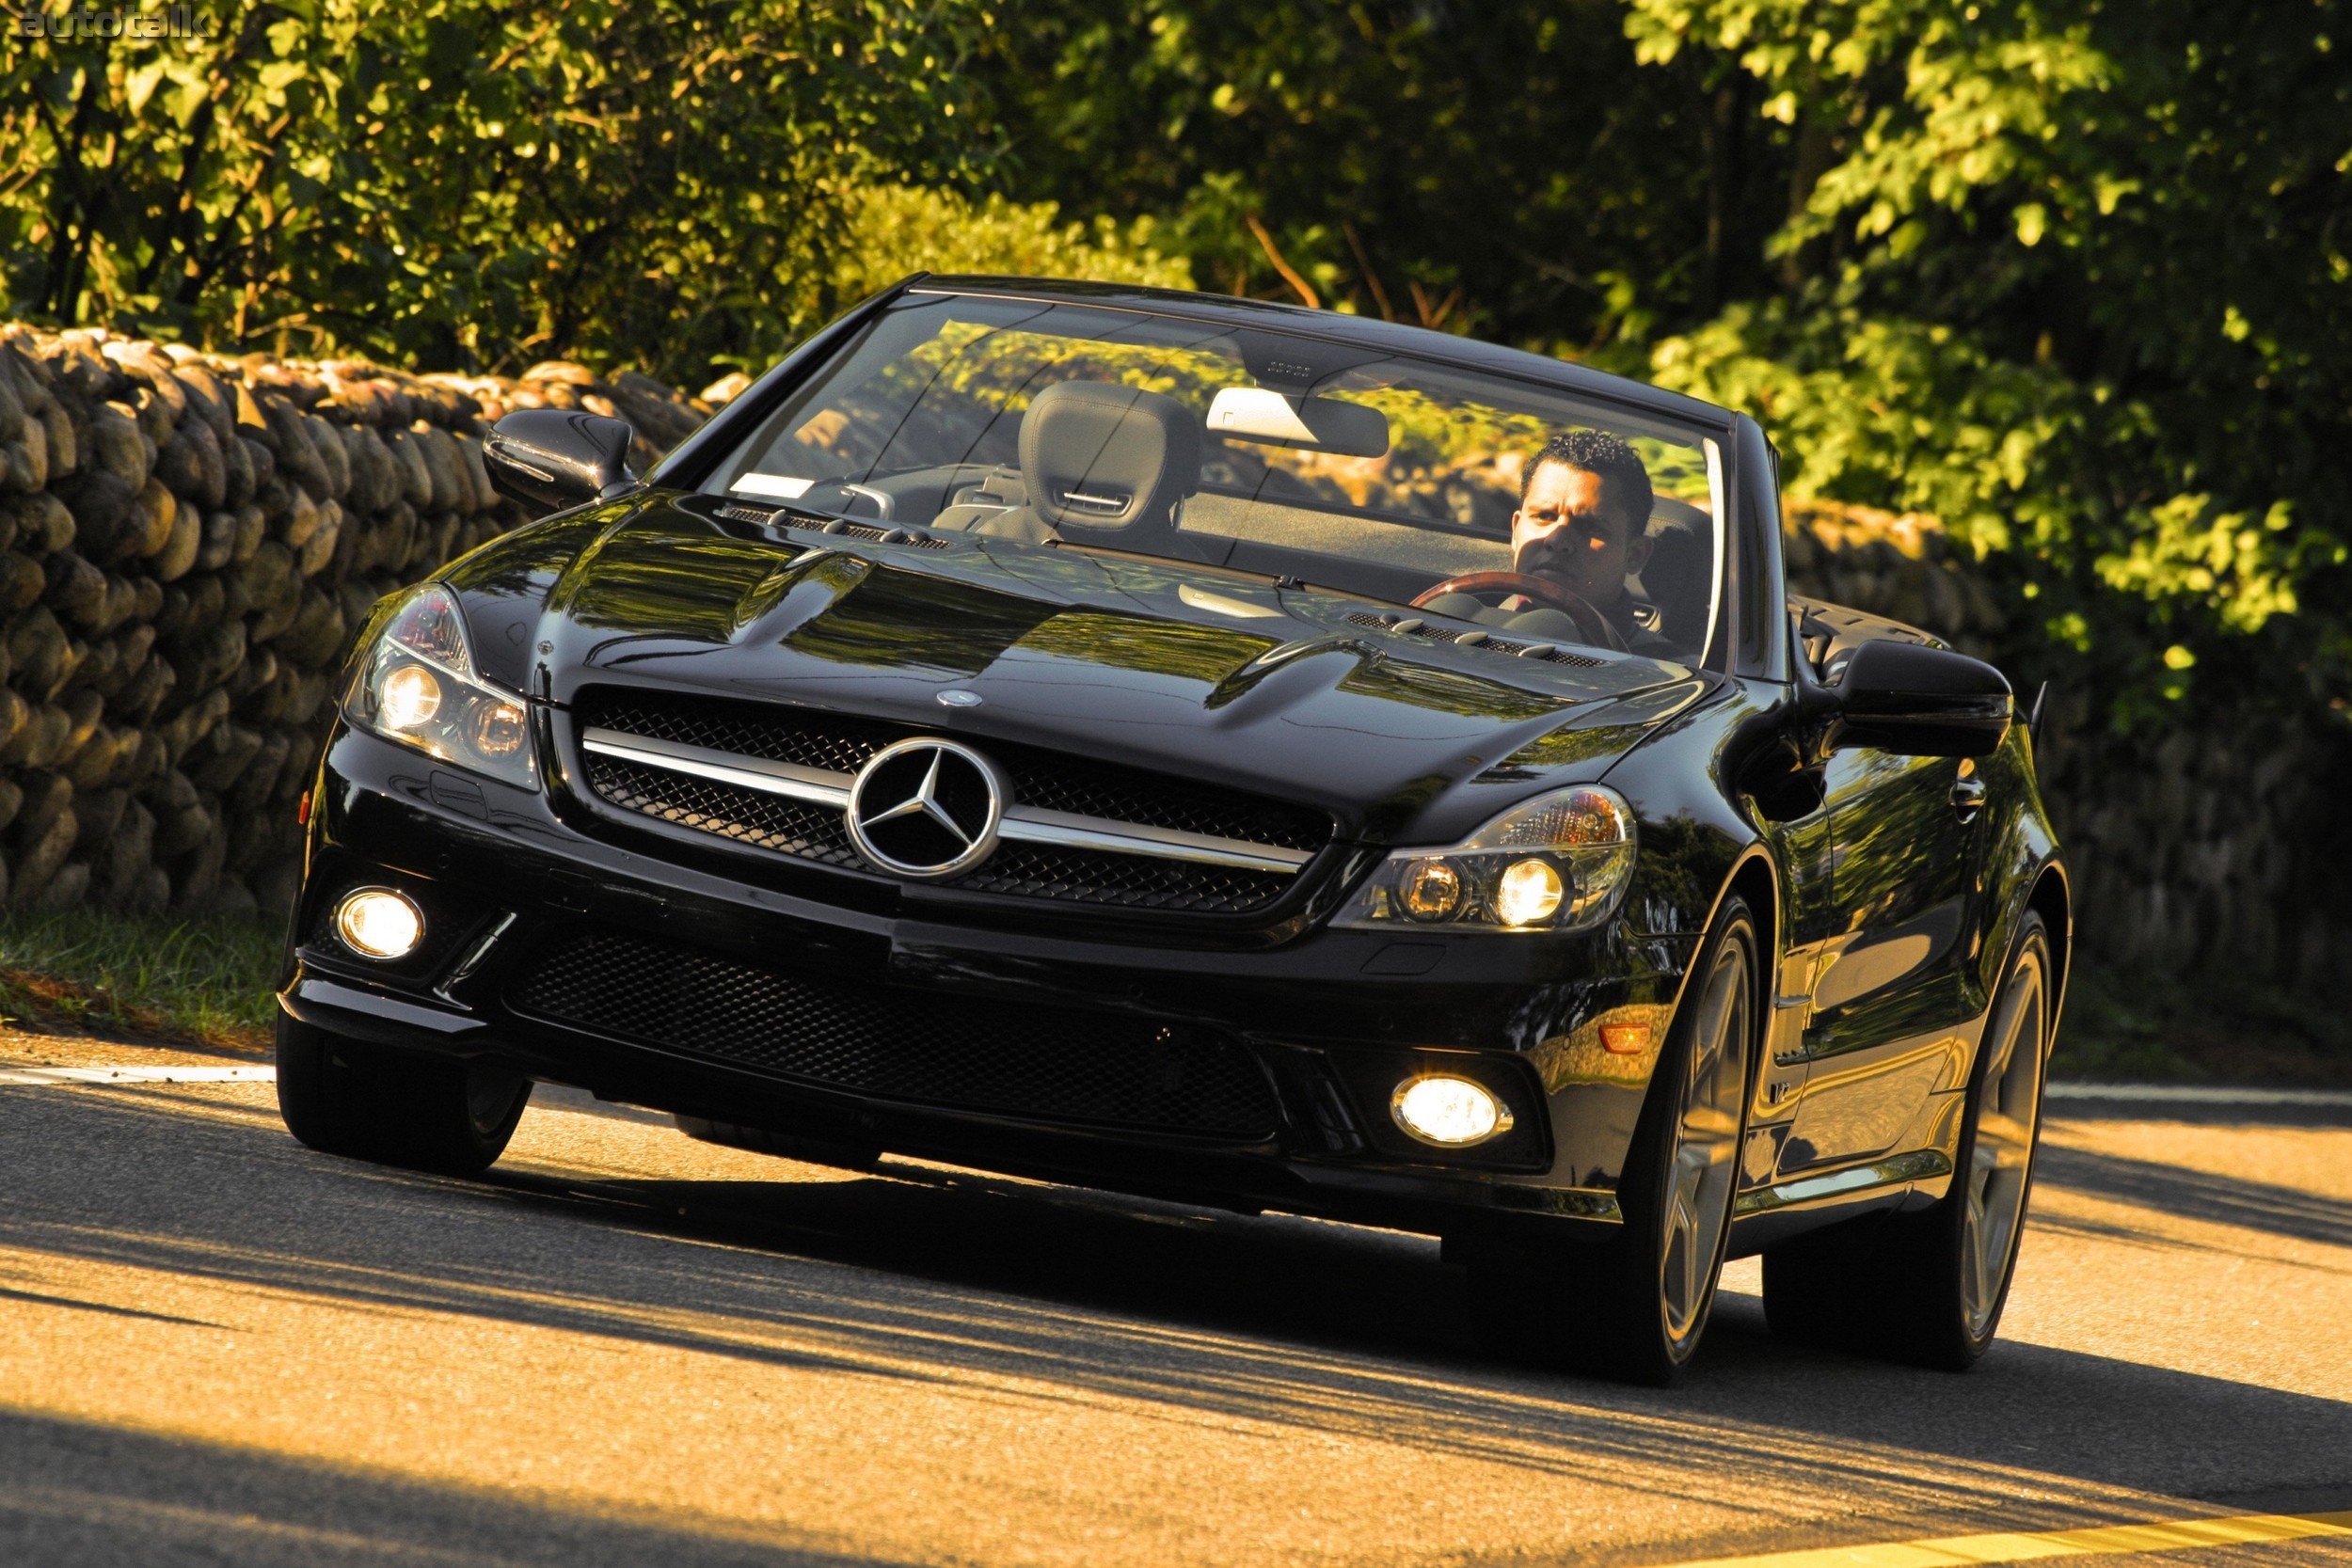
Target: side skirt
point(1768, 1215)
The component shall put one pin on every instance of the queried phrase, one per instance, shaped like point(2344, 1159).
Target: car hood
point(1191, 670)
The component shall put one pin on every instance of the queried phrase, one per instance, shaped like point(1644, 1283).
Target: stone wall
point(186, 543)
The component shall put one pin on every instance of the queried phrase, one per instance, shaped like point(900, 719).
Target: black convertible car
point(1213, 750)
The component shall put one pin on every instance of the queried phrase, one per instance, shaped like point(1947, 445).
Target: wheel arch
point(1754, 876)
point(2052, 898)
point(1757, 879)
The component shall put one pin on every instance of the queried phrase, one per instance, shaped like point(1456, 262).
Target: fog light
point(1450, 1112)
point(1530, 891)
point(377, 923)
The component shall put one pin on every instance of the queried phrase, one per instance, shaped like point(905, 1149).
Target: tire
point(1929, 1288)
point(367, 1101)
point(1635, 1308)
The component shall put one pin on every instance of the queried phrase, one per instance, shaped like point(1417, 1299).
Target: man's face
point(1565, 533)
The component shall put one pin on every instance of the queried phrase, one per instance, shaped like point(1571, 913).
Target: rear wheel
point(342, 1096)
point(1929, 1288)
point(1635, 1308)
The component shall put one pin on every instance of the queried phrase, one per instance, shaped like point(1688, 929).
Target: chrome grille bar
point(1027, 824)
point(1021, 824)
point(813, 784)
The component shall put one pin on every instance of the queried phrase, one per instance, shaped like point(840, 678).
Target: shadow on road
point(76, 1493)
point(1057, 1297)
point(2195, 1195)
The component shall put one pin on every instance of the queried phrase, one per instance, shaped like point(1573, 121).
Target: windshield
point(1476, 499)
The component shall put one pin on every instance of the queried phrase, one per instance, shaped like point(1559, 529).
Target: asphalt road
point(626, 1348)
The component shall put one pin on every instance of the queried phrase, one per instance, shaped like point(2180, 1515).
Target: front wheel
point(342, 1096)
point(1929, 1288)
point(1635, 1308)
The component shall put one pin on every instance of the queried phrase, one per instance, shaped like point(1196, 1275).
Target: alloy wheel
point(1704, 1162)
point(2000, 1162)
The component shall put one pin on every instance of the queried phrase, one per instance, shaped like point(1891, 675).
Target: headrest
point(1679, 578)
point(1097, 455)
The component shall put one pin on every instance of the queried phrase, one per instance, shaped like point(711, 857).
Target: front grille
point(746, 816)
point(842, 744)
point(836, 742)
point(1041, 1064)
point(1056, 783)
point(1131, 882)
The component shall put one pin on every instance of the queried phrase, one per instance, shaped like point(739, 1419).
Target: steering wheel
point(1491, 588)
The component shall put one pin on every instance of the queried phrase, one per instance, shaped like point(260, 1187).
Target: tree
point(474, 183)
point(2071, 275)
point(1503, 167)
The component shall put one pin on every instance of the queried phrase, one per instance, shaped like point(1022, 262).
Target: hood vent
point(1412, 625)
point(880, 535)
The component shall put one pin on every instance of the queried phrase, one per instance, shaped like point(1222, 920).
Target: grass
point(203, 980)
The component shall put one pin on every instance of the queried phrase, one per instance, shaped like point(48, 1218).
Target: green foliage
point(1498, 168)
point(2071, 276)
point(896, 230)
point(462, 181)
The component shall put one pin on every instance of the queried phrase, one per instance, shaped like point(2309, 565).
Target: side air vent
point(1412, 625)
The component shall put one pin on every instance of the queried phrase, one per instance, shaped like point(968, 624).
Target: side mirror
point(551, 458)
point(1916, 701)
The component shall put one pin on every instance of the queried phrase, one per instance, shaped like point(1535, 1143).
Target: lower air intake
point(1040, 1064)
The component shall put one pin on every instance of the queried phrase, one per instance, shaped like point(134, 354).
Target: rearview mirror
point(1916, 701)
point(551, 458)
point(1312, 424)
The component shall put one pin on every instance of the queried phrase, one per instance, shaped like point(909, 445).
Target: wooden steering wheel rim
point(1590, 622)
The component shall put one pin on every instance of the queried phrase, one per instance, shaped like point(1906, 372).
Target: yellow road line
point(1953, 1551)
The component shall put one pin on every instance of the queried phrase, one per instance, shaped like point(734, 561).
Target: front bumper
point(531, 905)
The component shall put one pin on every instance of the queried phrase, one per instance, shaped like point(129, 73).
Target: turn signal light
point(1451, 1113)
point(1625, 1039)
point(377, 923)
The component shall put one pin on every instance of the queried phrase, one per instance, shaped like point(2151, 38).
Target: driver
point(1584, 506)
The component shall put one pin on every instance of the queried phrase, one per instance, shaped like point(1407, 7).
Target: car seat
point(1679, 578)
point(1100, 464)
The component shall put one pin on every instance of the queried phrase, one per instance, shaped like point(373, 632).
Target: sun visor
point(1312, 424)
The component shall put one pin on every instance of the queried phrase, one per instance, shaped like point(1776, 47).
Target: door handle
point(1969, 797)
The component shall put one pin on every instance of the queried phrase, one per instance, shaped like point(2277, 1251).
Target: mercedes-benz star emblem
point(957, 697)
point(926, 808)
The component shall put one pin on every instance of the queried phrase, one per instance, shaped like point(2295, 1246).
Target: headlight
point(1558, 863)
point(414, 683)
